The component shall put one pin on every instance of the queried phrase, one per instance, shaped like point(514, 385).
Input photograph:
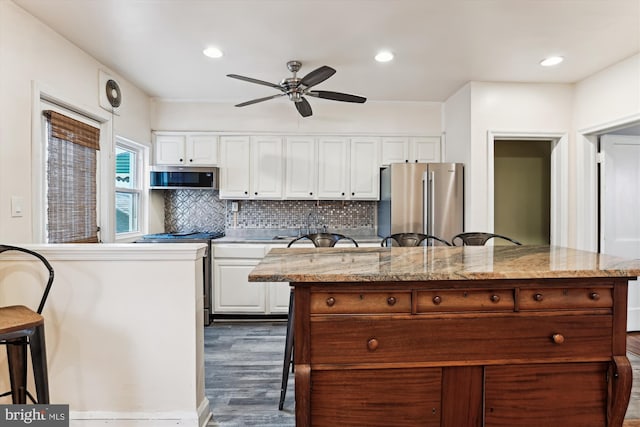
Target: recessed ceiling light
point(384, 56)
point(212, 52)
point(551, 61)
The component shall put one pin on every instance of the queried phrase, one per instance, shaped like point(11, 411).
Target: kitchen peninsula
point(462, 336)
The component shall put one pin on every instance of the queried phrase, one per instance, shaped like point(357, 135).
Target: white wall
point(124, 331)
point(457, 126)
point(31, 52)
point(421, 118)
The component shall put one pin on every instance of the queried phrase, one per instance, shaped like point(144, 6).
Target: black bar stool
point(22, 328)
point(412, 239)
point(479, 239)
point(319, 240)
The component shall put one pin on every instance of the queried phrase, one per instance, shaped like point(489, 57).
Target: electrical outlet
point(234, 206)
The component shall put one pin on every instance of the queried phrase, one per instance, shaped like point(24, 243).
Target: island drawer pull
point(331, 301)
point(437, 299)
point(391, 300)
point(557, 338)
point(538, 297)
point(594, 296)
point(373, 344)
point(495, 298)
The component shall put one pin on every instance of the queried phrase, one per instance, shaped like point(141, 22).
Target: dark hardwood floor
point(243, 366)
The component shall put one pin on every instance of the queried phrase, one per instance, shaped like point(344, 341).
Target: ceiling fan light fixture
point(212, 52)
point(551, 61)
point(384, 56)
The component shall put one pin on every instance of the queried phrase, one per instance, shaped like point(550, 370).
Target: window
point(72, 157)
point(128, 185)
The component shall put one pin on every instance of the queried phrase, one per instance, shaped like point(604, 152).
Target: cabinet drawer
point(568, 298)
point(465, 300)
point(360, 302)
point(419, 339)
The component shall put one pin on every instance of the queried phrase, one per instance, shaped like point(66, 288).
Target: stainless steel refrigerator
point(422, 198)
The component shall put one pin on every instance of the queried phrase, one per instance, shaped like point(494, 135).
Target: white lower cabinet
point(232, 291)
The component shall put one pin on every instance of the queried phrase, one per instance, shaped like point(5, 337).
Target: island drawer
point(565, 299)
point(465, 300)
point(363, 302)
point(445, 340)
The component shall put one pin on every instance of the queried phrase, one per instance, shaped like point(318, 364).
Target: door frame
point(587, 192)
point(559, 215)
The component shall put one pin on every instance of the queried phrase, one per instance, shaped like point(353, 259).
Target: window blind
point(71, 179)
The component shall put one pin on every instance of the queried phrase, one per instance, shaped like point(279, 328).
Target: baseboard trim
point(142, 419)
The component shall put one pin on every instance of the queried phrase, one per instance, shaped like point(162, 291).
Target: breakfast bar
point(491, 336)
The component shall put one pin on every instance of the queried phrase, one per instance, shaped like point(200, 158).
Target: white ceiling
point(439, 44)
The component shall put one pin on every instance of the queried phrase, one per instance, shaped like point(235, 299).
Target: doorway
point(620, 207)
point(522, 190)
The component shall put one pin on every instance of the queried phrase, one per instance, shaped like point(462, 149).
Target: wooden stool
point(21, 327)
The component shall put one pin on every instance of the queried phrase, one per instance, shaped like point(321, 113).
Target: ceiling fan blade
point(317, 76)
point(251, 80)
point(337, 96)
point(303, 107)
point(255, 101)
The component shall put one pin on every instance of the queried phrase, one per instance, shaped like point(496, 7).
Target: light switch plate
point(17, 203)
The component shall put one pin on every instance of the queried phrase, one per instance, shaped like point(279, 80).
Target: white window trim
point(142, 160)
point(41, 95)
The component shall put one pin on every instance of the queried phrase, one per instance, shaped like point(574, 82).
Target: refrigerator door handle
point(432, 187)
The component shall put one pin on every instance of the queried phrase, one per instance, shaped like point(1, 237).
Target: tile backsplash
point(202, 210)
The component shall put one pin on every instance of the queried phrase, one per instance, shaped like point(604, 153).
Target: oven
point(193, 237)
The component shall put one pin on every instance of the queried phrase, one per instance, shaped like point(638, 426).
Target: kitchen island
point(457, 336)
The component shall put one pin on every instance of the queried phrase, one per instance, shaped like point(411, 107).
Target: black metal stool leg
point(288, 352)
point(17, 359)
point(39, 360)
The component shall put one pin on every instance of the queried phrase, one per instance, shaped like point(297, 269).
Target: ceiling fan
point(296, 88)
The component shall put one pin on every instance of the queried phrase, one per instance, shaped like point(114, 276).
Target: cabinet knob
point(331, 301)
point(256, 193)
point(353, 194)
point(181, 160)
point(373, 344)
point(557, 338)
point(437, 300)
point(406, 160)
point(343, 194)
point(391, 300)
point(538, 297)
point(495, 298)
point(416, 160)
point(594, 296)
point(311, 193)
point(246, 192)
point(190, 160)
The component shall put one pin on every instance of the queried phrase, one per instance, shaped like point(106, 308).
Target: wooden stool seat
point(17, 318)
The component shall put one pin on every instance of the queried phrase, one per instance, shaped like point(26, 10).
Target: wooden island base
point(544, 350)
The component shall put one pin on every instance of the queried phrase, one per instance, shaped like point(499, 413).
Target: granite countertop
point(285, 235)
point(437, 263)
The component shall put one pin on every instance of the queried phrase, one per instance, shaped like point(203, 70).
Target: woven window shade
point(71, 176)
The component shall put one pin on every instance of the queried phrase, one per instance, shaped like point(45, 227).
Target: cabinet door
point(568, 395)
point(389, 397)
point(234, 167)
point(425, 149)
point(301, 168)
point(278, 297)
point(333, 159)
point(202, 150)
point(394, 150)
point(169, 149)
point(233, 293)
point(365, 173)
point(267, 173)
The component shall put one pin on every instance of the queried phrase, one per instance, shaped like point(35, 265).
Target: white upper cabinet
point(235, 167)
point(365, 172)
point(301, 168)
point(333, 161)
point(251, 167)
point(266, 167)
point(185, 149)
point(410, 149)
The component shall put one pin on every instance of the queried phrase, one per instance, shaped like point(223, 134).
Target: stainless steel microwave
point(176, 177)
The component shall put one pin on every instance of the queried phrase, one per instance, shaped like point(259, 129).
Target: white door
point(620, 208)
